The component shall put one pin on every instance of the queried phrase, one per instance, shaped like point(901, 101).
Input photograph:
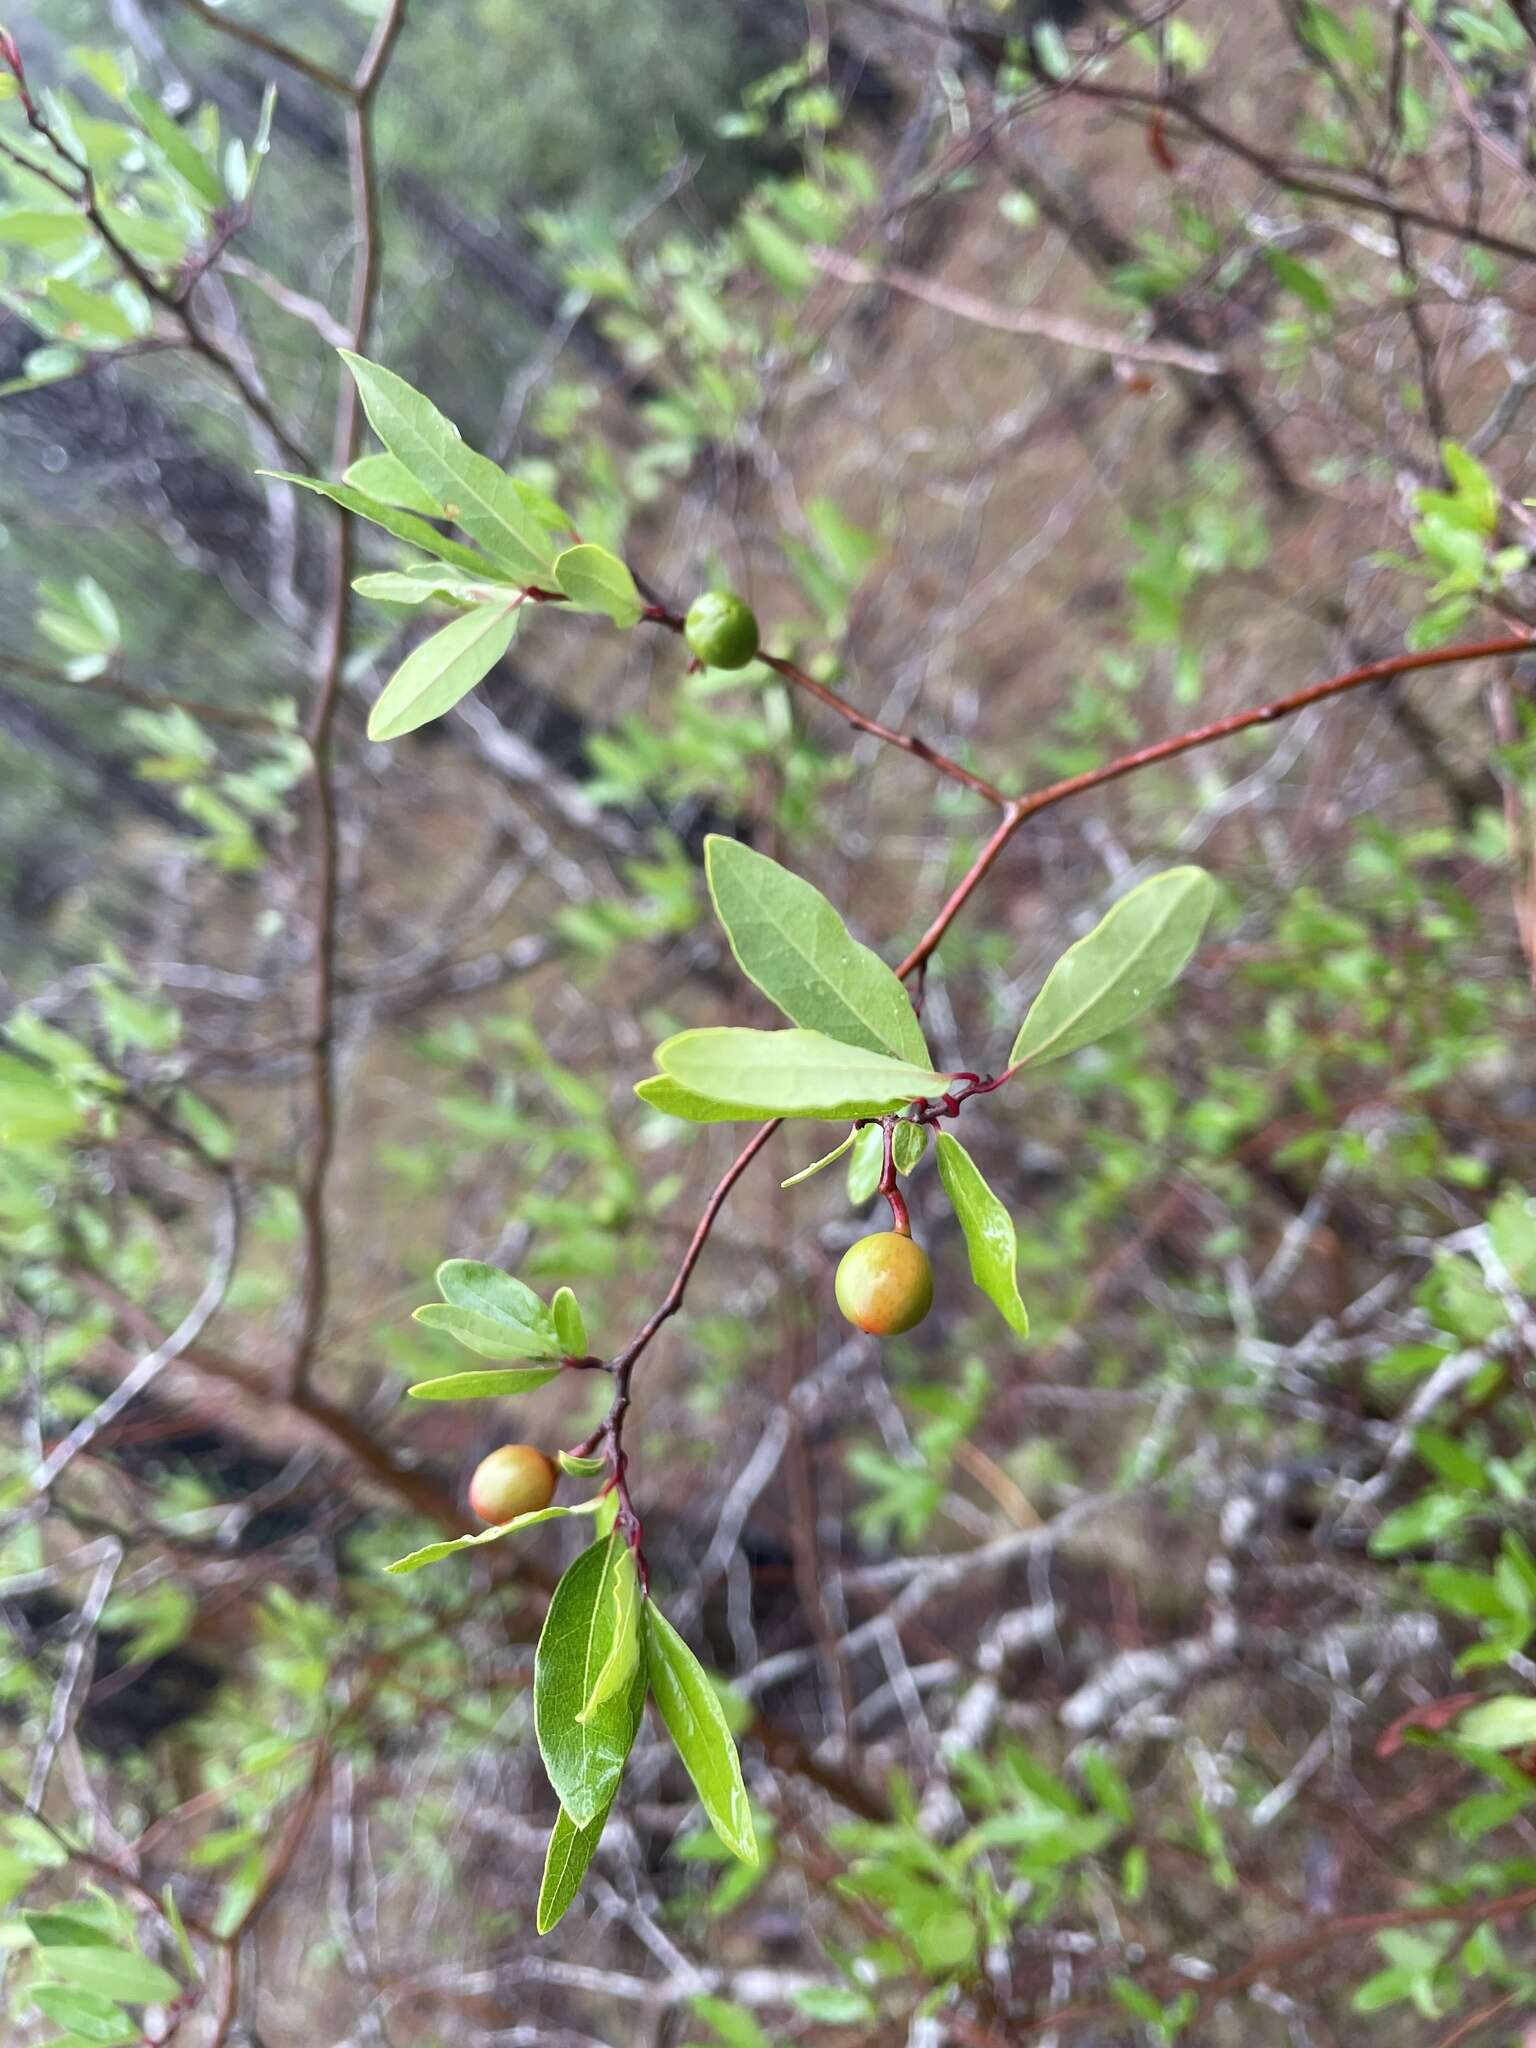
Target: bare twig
point(1027, 320)
point(330, 657)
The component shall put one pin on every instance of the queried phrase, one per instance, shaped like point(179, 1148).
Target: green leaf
point(570, 1325)
point(777, 255)
point(435, 675)
point(1301, 279)
point(866, 1165)
point(35, 1109)
point(1120, 968)
point(177, 147)
point(420, 586)
point(93, 316)
point(789, 940)
point(385, 478)
point(115, 1973)
point(490, 506)
point(1421, 1521)
point(584, 1758)
point(479, 1386)
point(622, 1588)
point(596, 581)
point(492, 1313)
point(88, 2015)
point(178, 1927)
point(403, 525)
point(491, 1339)
point(660, 1091)
point(826, 1159)
point(1508, 1722)
point(792, 1073)
point(1450, 1460)
point(65, 1930)
point(909, 1142)
point(472, 1284)
point(55, 231)
point(570, 1851)
point(835, 2005)
point(431, 1552)
point(696, 1722)
point(989, 1234)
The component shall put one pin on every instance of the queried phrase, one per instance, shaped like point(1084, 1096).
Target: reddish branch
point(909, 743)
point(1017, 811)
point(1300, 175)
point(1022, 808)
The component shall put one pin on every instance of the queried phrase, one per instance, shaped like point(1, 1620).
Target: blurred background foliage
point(1071, 1678)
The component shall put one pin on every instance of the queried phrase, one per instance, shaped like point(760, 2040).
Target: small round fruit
point(885, 1284)
point(721, 629)
point(513, 1481)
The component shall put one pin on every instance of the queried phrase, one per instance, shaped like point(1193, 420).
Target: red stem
point(1016, 811)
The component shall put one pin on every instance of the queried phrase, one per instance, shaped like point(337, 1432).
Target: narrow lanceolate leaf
point(435, 675)
point(384, 477)
point(482, 1386)
point(570, 1325)
point(816, 1165)
point(1120, 968)
point(596, 581)
point(584, 1758)
point(989, 1234)
point(570, 1851)
point(622, 1591)
point(793, 1073)
point(403, 525)
point(691, 1708)
point(790, 941)
point(431, 1552)
point(490, 505)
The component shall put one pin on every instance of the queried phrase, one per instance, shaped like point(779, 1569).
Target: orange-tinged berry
point(513, 1481)
point(885, 1284)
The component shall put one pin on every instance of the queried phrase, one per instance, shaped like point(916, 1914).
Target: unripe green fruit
point(513, 1481)
point(721, 629)
point(885, 1284)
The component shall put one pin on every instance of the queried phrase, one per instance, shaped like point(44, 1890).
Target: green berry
point(513, 1481)
point(885, 1284)
point(721, 629)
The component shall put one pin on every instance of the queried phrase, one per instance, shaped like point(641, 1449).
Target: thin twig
point(1027, 320)
point(269, 46)
point(335, 634)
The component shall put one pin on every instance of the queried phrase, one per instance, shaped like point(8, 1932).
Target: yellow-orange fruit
point(885, 1284)
point(513, 1481)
